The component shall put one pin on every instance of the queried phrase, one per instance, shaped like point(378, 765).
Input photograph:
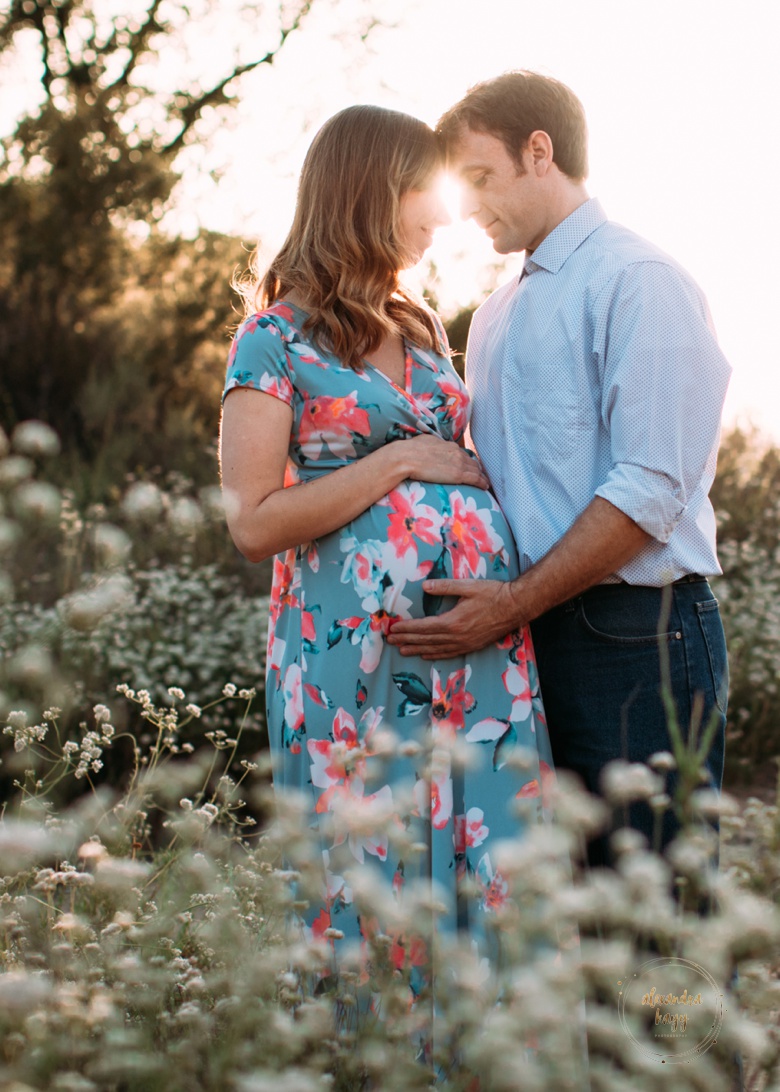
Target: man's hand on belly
point(600, 541)
point(484, 614)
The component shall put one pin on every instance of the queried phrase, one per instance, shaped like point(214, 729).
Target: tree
point(77, 179)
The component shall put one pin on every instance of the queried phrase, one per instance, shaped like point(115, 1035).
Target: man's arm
point(600, 541)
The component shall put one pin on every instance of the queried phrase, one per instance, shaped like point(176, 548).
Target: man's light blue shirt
point(598, 374)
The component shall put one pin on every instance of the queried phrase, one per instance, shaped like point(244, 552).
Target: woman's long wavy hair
point(343, 255)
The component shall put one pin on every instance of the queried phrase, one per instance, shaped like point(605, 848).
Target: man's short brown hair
point(516, 104)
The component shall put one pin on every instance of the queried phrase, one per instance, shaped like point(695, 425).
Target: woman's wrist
point(397, 456)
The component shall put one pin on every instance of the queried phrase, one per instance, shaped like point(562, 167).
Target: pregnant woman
point(342, 454)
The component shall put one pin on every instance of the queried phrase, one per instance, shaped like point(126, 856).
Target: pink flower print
point(408, 951)
point(456, 401)
point(284, 596)
point(411, 521)
point(533, 789)
point(277, 385)
point(320, 924)
point(422, 798)
point(317, 695)
point(468, 534)
point(276, 650)
point(370, 722)
point(330, 758)
point(337, 890)
point(449, 404)
point(398, 880)
point(493, 887)
point(364, 568)
point(470, 831)
point(344, 729)
point(516, 681)
point(283, 311)
point(292, 688)
point(372, 642)
point(450, 704)
point(441, 788)
point(331, 421)
point(369, 631)
point(286, 581)
point(325, 772)
point(441, 802)
point(361, 820)
point(313, 557)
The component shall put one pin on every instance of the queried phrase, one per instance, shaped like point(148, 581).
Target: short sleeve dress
point(333, 683)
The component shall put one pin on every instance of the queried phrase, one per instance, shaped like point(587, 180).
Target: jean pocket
point(715, 641)
point(632, 623)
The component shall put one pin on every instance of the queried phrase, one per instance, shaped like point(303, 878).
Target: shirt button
point(678, 636)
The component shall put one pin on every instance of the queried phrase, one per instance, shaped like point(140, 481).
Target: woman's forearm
point(300, 513)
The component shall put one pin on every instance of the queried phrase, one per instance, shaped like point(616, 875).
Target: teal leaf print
point(361, 693)
point(416, 693)
point(503, 748)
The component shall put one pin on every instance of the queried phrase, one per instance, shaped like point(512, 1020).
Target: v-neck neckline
point(406, 389)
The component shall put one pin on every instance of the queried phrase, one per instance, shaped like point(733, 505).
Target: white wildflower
point(16, 468)
point(209, 812)
point(194, 710)
point(662, 760)
point(35, 438)
point(39, 501)
point(84, 610)
point(176, 692)
point(112, 545)
point(229, 690)
point(623, 782)
point(143, 501)
point(185, 515)
point(248, 694)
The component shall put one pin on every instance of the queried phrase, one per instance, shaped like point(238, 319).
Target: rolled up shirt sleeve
point(663, 382)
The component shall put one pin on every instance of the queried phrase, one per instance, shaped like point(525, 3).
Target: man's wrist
point(517, 608)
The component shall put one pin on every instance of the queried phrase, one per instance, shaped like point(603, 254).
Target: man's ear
point(539, 150)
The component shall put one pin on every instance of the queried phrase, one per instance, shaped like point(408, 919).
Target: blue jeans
point(600, 675)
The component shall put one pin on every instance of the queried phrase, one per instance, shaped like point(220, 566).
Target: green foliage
point(745, 496)
point(110, 331)
point(155, 596)
point(148, 939)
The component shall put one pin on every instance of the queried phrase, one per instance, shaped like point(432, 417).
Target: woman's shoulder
point(281, 320)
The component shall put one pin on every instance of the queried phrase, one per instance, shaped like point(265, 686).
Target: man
point(597, 389)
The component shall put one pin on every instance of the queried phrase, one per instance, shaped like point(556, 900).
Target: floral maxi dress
point(335, 688)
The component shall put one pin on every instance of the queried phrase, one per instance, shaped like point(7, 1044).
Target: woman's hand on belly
point(485, 613)
point(265, 518)
point(432, 459)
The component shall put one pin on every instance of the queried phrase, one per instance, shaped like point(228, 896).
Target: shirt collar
point(562, 241)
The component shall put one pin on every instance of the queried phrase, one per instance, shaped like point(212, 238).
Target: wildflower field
point(148, 881)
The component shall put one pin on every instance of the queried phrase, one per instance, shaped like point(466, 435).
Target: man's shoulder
point(615, 247)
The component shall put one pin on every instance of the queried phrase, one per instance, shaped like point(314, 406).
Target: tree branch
point(216, 95)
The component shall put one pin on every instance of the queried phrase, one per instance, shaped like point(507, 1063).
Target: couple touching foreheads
point(482, 596)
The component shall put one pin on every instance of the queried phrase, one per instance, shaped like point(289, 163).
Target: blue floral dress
point(335, 688)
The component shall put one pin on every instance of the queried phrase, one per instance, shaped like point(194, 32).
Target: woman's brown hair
point(342, 254)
